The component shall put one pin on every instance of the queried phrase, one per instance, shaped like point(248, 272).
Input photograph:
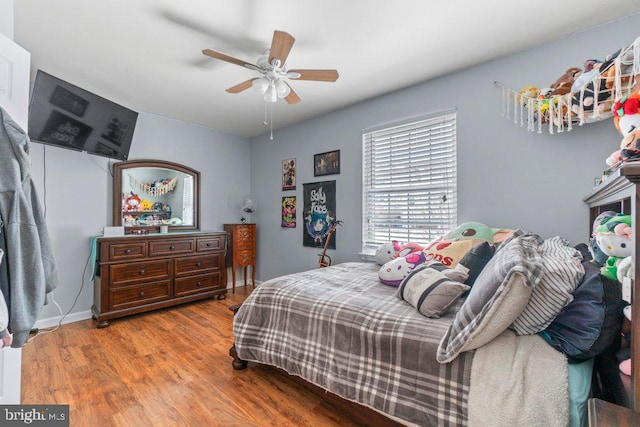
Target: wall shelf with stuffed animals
point(579, 96)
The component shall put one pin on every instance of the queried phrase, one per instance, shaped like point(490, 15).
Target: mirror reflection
point(154, 193)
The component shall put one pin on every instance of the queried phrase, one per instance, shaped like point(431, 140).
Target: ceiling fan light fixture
point(271, 95)
point(261, 85)
point(282, 88)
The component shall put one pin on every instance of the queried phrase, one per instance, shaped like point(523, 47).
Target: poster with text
point(319, 213)
point(288, 212)
point(288, 174)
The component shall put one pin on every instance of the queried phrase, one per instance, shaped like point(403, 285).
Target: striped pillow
point(497, 297)
point(563, 272)
point(430, 291)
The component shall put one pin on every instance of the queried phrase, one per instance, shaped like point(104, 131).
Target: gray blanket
point(341, 329)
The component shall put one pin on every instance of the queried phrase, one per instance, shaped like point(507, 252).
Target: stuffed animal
point(626, 113)
point(393, 272)
point(132, 203)
point(563, 84)
point(614, 238)
point(598, 257)
point(387, 251)
point(146, 205)
point(622, 66)
point(477, 231)
point(528, 92)
point(409, 248)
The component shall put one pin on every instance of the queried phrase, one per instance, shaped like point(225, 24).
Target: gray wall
point(78, 193)
point(507, 177)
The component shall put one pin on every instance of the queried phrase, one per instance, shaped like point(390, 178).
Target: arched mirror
point(148, 194)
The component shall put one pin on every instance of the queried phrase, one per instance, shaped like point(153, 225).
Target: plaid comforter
point(341, 329)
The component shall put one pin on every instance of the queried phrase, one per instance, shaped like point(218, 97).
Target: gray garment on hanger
point(28, 251)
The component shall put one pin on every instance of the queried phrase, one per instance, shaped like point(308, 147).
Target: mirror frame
point(119, 168)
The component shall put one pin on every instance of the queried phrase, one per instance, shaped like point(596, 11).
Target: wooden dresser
point(241, 251)
point(139, 273)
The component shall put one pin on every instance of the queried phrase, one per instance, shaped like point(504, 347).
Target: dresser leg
point(245, 275)
point(102, 324)
point(233, 274)
point(253, 275)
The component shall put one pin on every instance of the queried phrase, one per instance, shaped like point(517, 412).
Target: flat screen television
point(67, 116)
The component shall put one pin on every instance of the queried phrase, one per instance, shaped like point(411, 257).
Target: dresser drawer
point(244, 258)
point(197, 264)
point(127, 251)
point(137, 295)
point(125, 274)
point(197, 284)
point(210, 244)
point(244, 237)
point(171, 247)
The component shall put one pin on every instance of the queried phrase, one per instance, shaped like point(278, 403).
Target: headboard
point(620, 192)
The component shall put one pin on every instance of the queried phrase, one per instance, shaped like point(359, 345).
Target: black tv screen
point(67, 116)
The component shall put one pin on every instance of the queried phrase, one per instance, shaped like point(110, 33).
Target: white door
point(14, 98)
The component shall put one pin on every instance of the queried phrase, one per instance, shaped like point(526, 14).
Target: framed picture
point(326, 163)
point(288, 212)
point(319, 213)
point(288, 174)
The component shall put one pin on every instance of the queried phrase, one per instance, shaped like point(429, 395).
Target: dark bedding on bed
point(343, 330)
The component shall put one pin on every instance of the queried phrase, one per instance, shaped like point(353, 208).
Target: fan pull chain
point(271, 122)
point(264, 122)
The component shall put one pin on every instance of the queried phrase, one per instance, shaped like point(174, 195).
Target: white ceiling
point(146, 54)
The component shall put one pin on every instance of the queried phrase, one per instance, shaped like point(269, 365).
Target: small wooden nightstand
point(241, 250)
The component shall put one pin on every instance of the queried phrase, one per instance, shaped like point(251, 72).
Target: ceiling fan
point(274, 71)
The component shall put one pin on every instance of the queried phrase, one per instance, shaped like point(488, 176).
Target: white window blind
point(409, 182)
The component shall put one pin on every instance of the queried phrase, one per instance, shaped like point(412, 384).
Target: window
point(409, 181)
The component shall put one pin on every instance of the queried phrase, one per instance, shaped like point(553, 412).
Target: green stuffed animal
point(478, 231)
point(614, 238)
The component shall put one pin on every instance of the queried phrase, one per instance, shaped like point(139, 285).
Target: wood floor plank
point(169, 367)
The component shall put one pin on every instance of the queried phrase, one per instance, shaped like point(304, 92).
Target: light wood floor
point(166, 368)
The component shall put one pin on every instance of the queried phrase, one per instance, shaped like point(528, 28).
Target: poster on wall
point(288, 212)
point(319, 213)
point(288, 174)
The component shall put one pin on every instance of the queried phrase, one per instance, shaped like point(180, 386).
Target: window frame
point(434, 138)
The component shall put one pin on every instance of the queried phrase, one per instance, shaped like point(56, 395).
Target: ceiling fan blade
point(281, 46)
point(316, 75)
point(242, 86)
point(292, 98)
point(224, 57)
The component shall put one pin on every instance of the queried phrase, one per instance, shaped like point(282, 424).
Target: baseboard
point(54, 321)
point(241, 283)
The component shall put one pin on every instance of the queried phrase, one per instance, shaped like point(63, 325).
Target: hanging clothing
point(32, 271)
point(5, 337)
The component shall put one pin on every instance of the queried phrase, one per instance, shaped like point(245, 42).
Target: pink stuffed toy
point(408, 249)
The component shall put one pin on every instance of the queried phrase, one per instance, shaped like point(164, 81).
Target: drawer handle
point(127, 251)
point(208, 244)
point(172, 247)
point(199, 284)
point(141, 271)
point(198, 264)
point(142, 293)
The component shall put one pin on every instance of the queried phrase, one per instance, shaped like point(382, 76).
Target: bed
point(341, 330)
